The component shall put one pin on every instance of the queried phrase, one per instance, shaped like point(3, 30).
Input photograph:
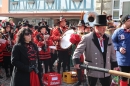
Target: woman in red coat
point(43, 41)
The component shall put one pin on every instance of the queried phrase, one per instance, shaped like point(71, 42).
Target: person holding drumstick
point(63, 54)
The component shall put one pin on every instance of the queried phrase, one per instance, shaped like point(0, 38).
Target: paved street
point(5, 81)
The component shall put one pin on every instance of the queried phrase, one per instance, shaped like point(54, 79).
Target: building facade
point(51, 10)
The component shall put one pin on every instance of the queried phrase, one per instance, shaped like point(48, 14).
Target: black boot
point(77, 83)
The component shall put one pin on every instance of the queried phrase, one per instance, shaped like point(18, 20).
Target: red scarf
point(34, 79)
point(100, 39)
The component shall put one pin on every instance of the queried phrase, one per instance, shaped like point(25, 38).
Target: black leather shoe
point(77, 83)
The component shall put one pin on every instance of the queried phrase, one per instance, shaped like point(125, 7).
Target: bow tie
point(127, 30)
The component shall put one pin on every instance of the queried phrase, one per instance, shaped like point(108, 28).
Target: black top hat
point(81, 23)
point(101, 20)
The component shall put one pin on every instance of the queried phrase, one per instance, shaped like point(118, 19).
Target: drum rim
point(62, 37)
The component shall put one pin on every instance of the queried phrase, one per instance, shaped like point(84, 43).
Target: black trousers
point(104, 81)
point(53, 58)
point(63, 56)
point(7, 64)
point(124, 69)
point(47, 64)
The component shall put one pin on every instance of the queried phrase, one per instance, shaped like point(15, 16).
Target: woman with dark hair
point(27, 67)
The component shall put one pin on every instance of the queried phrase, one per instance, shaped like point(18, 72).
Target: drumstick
point(63, 36)
point(113, 72)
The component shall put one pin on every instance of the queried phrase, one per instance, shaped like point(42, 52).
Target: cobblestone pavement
point(6, 81)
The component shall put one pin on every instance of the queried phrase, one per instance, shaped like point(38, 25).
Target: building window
point(116, 4)
point(0, 3)
point(115, 14)
point(126, 8)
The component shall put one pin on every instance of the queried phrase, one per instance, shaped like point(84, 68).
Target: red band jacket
point(44, 50)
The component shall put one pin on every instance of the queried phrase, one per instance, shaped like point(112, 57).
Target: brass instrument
point(89, 17)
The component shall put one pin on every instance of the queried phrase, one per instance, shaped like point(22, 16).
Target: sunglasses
point(26, 34)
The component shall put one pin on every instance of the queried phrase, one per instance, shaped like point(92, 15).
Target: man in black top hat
point(98, 51)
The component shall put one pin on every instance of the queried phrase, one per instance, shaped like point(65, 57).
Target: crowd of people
point(24, 49)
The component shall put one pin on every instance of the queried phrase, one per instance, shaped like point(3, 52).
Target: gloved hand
point(31, 68)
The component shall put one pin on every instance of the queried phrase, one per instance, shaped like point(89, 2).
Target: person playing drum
point(63, 54)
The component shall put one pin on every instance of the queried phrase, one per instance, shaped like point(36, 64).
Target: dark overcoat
point(20, 60)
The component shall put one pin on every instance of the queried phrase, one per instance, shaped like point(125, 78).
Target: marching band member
point(8, 36)
point(63, 55)
point(98, 50)
point(53, 51)
point(2, 46)
point(75, 39)
point(43, 44)
point(83, 29)
point(27, 66)
point(121, 41)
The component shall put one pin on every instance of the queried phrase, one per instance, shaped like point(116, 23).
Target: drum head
point(65, 40)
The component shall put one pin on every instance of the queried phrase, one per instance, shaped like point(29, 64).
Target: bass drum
point(65, 39)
